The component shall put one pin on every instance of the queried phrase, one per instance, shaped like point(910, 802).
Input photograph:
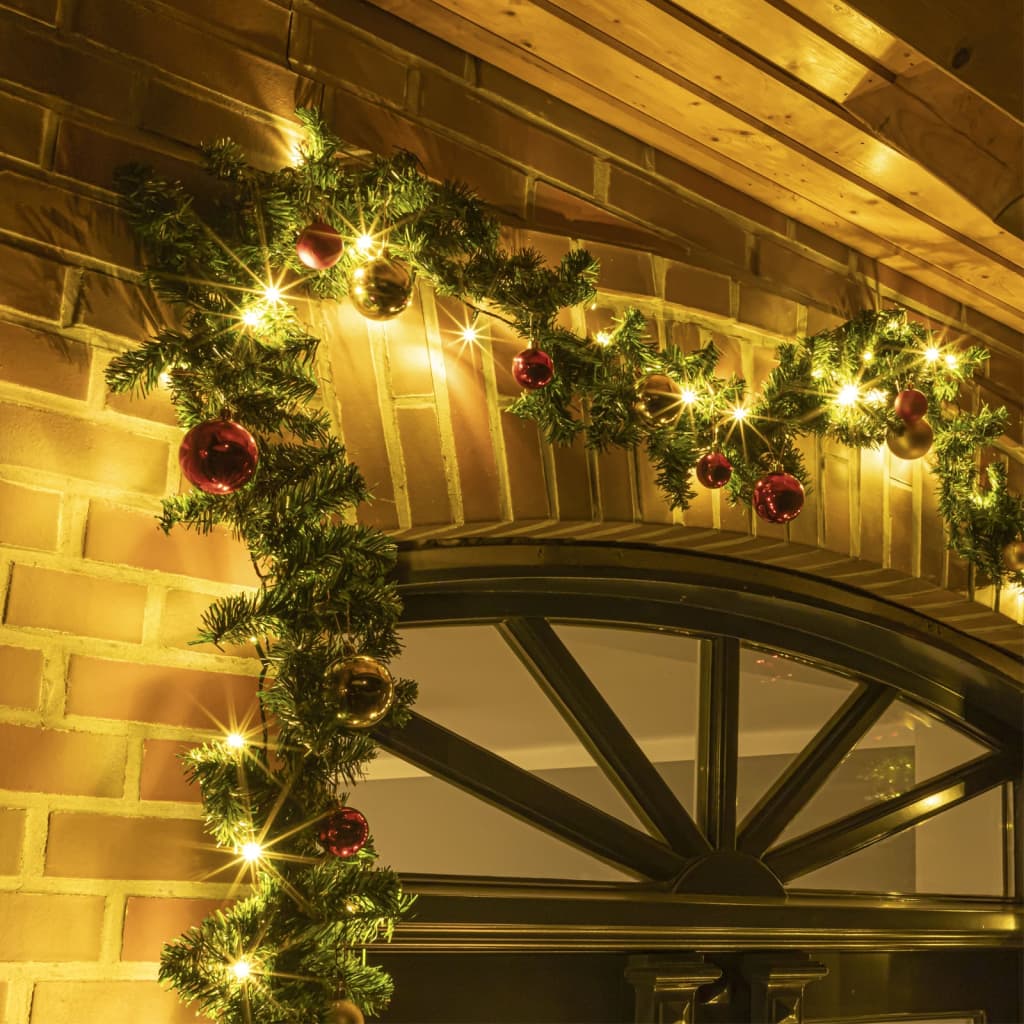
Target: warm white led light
point(251, 852)
point(740, 413)
point(817, 374)
point(364, 243)
point(849, 394)
point(272, 293)
point(252, 318)
point(241, 969)
point(868, 356)
point(603, 338)
point(876, 395)
point(687, 396)
point(235, 740)
point(469, 334)
point(932, 354)
point(164, 380)
point(951, 361)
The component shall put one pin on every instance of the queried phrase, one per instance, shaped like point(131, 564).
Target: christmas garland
point(239, 367)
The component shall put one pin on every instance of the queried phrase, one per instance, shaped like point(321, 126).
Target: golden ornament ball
point(381, 288)
point(365, 690)
point(1013, 556)
point(344, 1011)
point(911, 441)
point(660, 401)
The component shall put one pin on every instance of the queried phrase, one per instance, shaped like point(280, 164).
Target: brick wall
point(100, 853)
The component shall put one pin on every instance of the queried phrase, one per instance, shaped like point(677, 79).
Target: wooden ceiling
point(807, 105)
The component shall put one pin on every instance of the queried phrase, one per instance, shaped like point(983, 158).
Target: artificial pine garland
point(241, 361)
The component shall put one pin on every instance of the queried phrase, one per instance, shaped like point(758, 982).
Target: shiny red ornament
point(778, 497)
point(344, 832)
point(533, 369)
point(319, 246)
point(714, 470)
point(910, 405)
point(218, 456)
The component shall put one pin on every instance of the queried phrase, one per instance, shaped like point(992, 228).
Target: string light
point(469, 334)
point(687, 396)
point(251, 852)
point(252, 317)
point(849, 394)
point(272, 293)
point(931, 354)
point(876, 395)
point(603, 338)
point(164, 380)
point(951, 361)
point(241, 969)
point(365, 243)
point(740, 413)
point(868, 356)
point(817, 374)
point(235, 740)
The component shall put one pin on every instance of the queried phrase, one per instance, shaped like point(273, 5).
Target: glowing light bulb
point(687, 396)
point(164, 380)
point(931, 354)
point(951, 361)
point(876, 395)
point(351, 907)
point(235, 740)
point(603, 338)
point(252, 318)
point(868, 356)
point(469, 334)
point(241, 969)
point(364, 243)
point(272, 293)
point(251, 852)
point(817, 374)
point(740, 413)
point(849, 394)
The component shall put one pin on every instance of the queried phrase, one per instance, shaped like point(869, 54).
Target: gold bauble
point(344, 1011)
point(1013, 556)
point(380, 288)
point(660, 402)
point(365, 690)
point(910, 441)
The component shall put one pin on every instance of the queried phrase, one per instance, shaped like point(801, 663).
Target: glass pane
point(958, 852)
point(472, 683)
point(651, 681)
point(904, 747)
point(783, 704)
point(422, 824)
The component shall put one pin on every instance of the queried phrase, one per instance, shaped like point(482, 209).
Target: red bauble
point(714, 470)
point(319, 246)
point(533, 369)
point(778, 497)
point(218, 456)
point(344, 832)
point(910, 405)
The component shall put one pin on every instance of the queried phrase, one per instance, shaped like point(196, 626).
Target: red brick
point(46, 362)
point(54, 216)
point(901, 528)
point(12, 831)
point(355, 382)
point(785, 266)
point(21, 128)
point(822, 243)
point(818, 321)
point(54, 1002)
point(182, 619)
point(614, 471)
point(629, 271)
point(156, 406)
point(150, 922)
point(562, 116)
point(73, 603)
point(454, 105)
point(260, 25)
point(30, 283)
point(425, 467)
point(39, 61)
point(697, 289)
point(332, 51)
point(871, 484)
point(28, 923)
point(163, 774)
point(85, 845)
point(131, 537)
point(767, 311)
point(411, 372)
point(835, 485)
point(718, 193)
point(21, 670)
point(913, 293)
point(48, 761)
point(382, 130)
point(666, 209)
point(68, 445)
point(175, 114)
point(572, 479)
point(994, 329)
point(527, 482)
point(195, 55)
point(29, 518)
point(189, 698)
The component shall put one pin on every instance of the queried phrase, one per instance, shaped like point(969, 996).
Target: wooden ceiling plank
point(439, 18)
point(789, 109)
